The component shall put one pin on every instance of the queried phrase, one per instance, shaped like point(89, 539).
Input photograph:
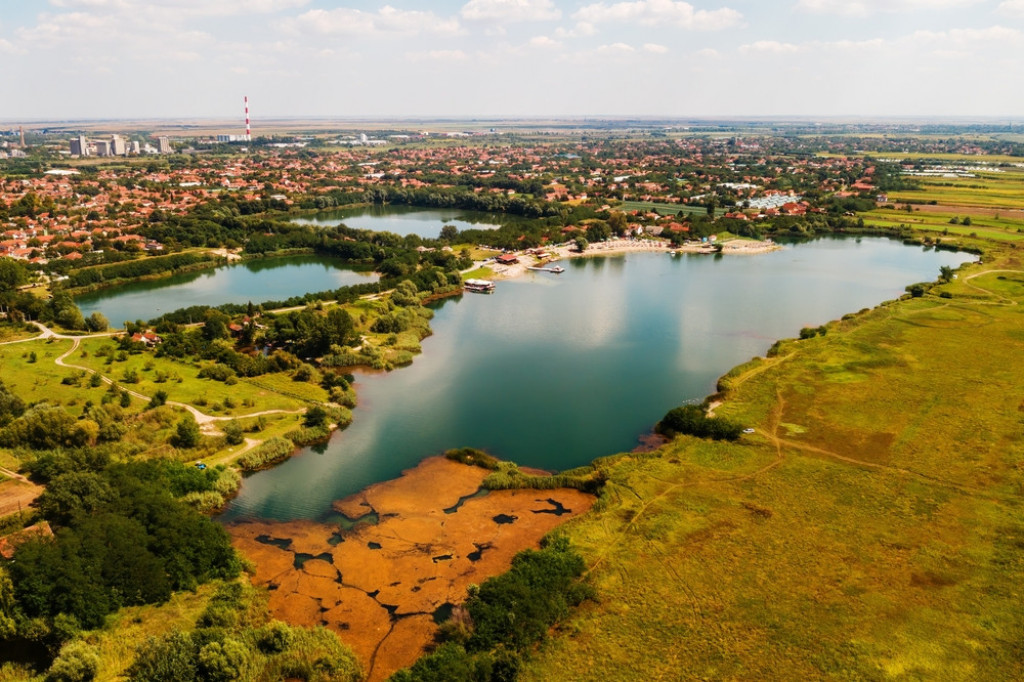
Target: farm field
point(666, 209)
point(993, 202)
point(869, 529)
point(1001, 191)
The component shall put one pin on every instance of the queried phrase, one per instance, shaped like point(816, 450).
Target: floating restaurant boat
point(480, 286)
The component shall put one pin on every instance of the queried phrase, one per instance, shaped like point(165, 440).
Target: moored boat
point(480, 286)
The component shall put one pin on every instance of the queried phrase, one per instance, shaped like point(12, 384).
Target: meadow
point(869, 529)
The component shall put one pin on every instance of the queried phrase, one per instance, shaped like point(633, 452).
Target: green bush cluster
point(266, 454)
point(506, 616)
point(232, 642)
point(691, 420)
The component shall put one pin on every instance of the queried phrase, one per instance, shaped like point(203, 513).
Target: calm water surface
point(406, 220)
point(552, 371)
point(270, 279)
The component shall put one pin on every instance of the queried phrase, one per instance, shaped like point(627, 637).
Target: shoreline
point(622, 246)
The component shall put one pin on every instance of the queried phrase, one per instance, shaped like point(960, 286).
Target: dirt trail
point(204, 420)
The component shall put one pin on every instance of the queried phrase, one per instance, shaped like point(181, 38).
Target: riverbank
point(622, 246)
point(875, 493)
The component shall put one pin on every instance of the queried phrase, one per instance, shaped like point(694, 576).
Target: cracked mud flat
point(417, 543)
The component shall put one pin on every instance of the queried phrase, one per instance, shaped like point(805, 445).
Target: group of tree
point(505, 617)
point(692, 420)
point(121, 538)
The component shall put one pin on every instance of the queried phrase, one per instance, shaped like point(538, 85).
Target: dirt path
point(205, 421)
point(1003, 299)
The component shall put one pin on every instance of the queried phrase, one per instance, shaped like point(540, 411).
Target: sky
point(87, 59)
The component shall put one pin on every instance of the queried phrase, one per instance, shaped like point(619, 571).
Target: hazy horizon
point(78, 60)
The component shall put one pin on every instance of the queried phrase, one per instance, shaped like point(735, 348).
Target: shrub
point(268, 453)
point(77, 662)
point(693, 421)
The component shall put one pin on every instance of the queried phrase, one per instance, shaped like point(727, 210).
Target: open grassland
point(870, 529)
point(181, 382)
point(29, 369)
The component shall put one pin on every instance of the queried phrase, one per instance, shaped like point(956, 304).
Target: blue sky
point(73, 59)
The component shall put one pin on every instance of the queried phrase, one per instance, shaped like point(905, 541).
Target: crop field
point(869, 529)
point(989, 190)
point(666, 209)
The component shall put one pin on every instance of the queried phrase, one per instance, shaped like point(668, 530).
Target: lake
point(404, 220)
point(552, 371)
point(269, 279)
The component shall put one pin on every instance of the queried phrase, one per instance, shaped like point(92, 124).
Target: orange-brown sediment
point(380, 586)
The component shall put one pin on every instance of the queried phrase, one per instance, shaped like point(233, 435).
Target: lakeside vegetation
point(867, 529)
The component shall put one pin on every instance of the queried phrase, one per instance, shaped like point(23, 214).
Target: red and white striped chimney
point(248, 132)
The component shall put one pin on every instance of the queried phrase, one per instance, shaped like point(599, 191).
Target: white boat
point(480, 286)
point(557, 269)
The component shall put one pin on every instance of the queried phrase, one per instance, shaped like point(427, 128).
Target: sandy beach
point(617, 246)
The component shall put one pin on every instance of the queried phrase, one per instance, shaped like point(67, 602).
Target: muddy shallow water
point(405, 550)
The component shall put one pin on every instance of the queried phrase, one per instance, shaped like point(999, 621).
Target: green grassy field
point(183, 385)
point(1001, 229)
point(666, 209)
point(988, 190)
point(870, 528)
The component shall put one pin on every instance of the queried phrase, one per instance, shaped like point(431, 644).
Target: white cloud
point(1012, 8)
point(655, 48)
point(863, 8)
point(544, 42)
point(181, 8)
point(770, 46)
point(583, 28)
point(345, 21)
point(509, 11)
point(438, 55)
point(615, 48)
point(655, 12)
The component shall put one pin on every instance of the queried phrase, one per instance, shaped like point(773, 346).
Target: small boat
point(480, 286)
point(558, 269)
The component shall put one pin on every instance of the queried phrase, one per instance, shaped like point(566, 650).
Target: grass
point(130, 627)
point(40, 380)
point(988, 190)
point(480, 273)
point(184, 385)
point(666, 209)
point(869, 529)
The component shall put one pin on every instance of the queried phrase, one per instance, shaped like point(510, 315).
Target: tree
point(617, 222)
point(315, 416)
point(233, 433)
point(449, 233)
point(12, 274)
point(946, 273)
point(97, 322)
point(186, 434)
point(582, 244)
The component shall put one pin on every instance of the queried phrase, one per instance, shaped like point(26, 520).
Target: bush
point(693, 421)
point(77, 662)
point(233, 433)
point(268, 453)
point(186, 434)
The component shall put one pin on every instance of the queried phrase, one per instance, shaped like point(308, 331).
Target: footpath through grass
point(870, 529)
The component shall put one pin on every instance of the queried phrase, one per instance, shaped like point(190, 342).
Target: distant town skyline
point(80, 59)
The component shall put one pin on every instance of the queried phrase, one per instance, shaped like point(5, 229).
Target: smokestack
point(248, 132)
point(22, 129)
